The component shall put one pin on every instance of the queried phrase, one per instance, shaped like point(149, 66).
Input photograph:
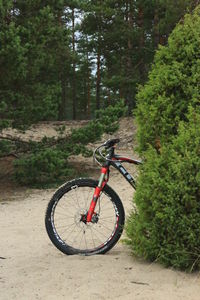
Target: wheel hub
point(80, 218)
point(95, 218)
point(83, 218)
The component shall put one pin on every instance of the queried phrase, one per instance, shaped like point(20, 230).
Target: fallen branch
point(10, 154)
point(13, 139)
point(27, 146)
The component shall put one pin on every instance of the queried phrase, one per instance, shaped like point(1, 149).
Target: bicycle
point(86, 216)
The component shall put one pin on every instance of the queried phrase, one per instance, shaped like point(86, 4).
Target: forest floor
point(32, 268)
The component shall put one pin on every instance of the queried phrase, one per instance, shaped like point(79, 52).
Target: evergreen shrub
point(42, 168)
point(166, 226)
point(5, 147)
point(166, 223)
point(173, 84)
point(109, 117)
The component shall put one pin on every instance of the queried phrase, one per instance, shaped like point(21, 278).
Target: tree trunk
point(129, 20)
point(156, 29)
point(74, 104)
point(98, 81)
point(195, 3)
point(99, 52)
point(163, 40)
point(141, 43)
point(88, 88)
point(88, 96)
point(109, 97)
point(62, 109)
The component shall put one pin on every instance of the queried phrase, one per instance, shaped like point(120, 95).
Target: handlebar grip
point(110, 143)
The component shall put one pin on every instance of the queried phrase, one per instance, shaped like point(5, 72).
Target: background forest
point(64, 59)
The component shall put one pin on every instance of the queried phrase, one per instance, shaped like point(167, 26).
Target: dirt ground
point(32, 268)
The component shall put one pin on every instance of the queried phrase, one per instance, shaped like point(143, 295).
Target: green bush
point(5, 147)
point(166, 226)
point(42, 168)
point(173, 85)
point(87, 134)
point(109, 117)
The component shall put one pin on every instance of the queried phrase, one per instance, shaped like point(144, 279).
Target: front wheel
point(66, 218)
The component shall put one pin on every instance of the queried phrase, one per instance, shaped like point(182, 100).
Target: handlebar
point(109, 144)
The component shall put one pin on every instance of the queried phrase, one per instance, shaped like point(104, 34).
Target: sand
point(32, 268)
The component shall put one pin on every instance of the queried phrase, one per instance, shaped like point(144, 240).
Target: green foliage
point(47, 74)
point(128, 50)
point(33, 55)
point(111, 115)
point(173, 84)
point(42, 168)
point(88, 133)
point(4, 124)
point(47, 163)
point(5, 147)
point(106, 121)
point(166, 227)
point(61, 130)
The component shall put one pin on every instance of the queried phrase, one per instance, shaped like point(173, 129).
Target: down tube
point(123, 171)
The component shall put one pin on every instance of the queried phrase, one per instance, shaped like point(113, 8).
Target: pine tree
point(34, 45)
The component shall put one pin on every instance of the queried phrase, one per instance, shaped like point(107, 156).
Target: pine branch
point(13, 139)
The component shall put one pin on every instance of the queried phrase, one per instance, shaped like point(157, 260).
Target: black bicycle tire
point(66, 249)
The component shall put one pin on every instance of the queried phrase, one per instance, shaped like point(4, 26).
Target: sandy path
point(35, 269)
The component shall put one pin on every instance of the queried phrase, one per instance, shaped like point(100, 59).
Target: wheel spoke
point(63, 226)
point(63, 214)
point(81, 241)
point(104, 226)
point(88, 199)
point(107, 221)
point(77, 197)
point(107, 217)
point(85, 239)
point(74, 240)
point(100, 233)
point(73, 226)
point(96, 236)
point(92, 236)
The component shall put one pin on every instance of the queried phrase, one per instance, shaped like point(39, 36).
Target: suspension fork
point(102, 182)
